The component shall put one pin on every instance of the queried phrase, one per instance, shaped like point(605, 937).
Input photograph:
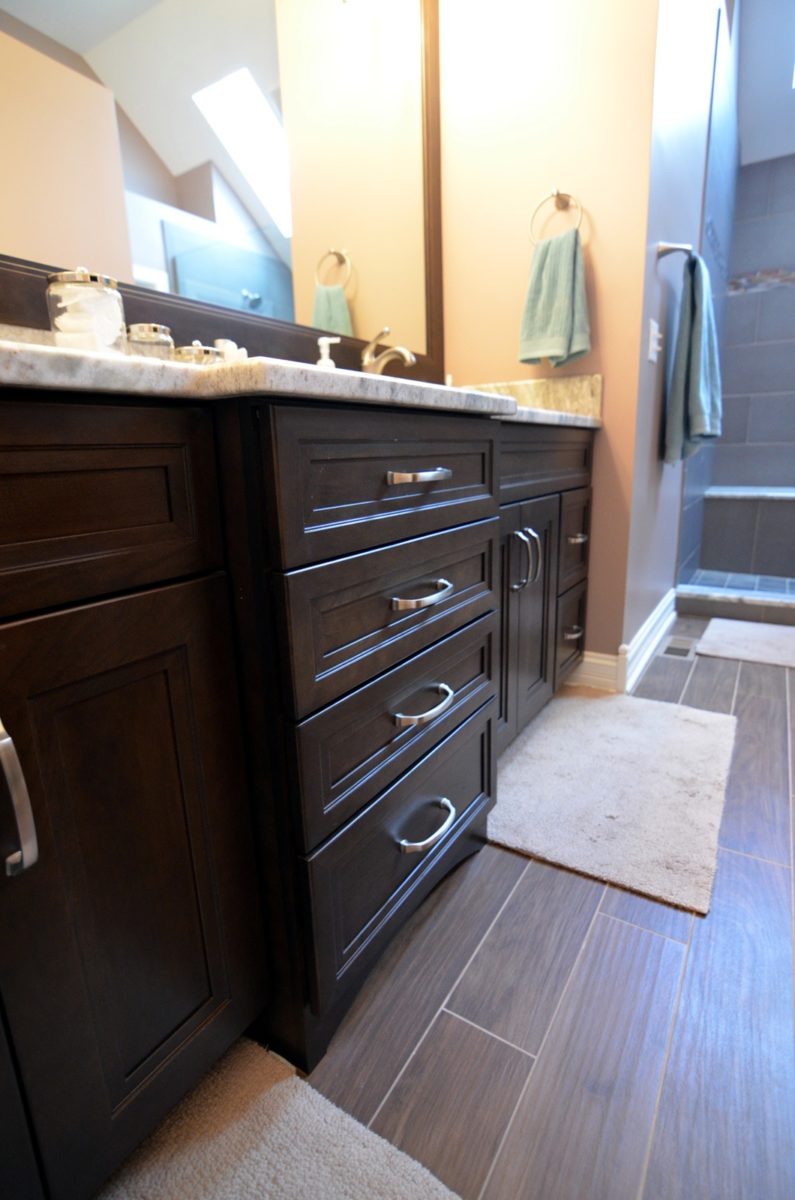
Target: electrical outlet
point(655, 340)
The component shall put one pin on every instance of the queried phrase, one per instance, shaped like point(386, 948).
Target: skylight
point(249, 129)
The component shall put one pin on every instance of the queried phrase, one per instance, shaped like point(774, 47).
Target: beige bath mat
point(752, 641)
point(625, 790)
point(252, 1130)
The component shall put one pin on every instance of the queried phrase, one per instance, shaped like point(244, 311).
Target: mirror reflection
point(263, 155)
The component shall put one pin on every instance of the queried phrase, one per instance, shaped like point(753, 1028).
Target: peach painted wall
point(58, 207)
point(683, 86)
point(351, 94)
point(537, 96)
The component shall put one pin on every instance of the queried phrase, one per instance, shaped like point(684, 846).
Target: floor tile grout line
point(769, 862)
point(561, 998)
point(736, 689)
point(687, 681)
point(458, 979)
point(666, 1060)
point(452, 1013)
point(654, 932)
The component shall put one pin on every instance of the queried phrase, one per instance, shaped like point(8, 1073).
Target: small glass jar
point(86, 310)
point(197, 353)
point(153, 341)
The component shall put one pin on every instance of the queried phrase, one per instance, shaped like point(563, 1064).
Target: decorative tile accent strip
point(762, 281)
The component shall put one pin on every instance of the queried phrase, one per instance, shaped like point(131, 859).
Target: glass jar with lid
point(86, 310)
point(154, 341)
point(197, 353)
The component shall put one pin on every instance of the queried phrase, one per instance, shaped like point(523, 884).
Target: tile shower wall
point(757, 450)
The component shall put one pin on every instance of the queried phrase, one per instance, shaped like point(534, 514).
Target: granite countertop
point(23, 364)
point(549, 416)
point(26, 363)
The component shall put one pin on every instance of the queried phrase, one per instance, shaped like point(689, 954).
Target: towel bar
point(664, 248)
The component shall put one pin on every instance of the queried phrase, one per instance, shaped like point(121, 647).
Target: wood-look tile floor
point(533, 1033)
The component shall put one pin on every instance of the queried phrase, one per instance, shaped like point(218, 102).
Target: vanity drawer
point(349, 620)
point(98, 497)
point(358, 746)
point(336, 478)
point(536, 459)
point(362, 881)
point(571, 631)
point(575, 534)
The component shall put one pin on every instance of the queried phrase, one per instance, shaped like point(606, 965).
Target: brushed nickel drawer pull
point(393, 477)
point(405, 720)
point(577, 539)
point(523, 582)
point(418, 847)
point(531, 533)
point(28, 852)
point(443, 589)
point(574, 634)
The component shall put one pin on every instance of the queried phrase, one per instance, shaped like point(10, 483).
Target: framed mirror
point(123, 163)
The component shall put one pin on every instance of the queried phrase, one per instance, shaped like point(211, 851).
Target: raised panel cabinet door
point(130, 953)
point(528, 562)
point(514, 564)
point(19, 1171)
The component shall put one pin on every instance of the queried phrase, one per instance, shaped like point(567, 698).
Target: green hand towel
point(694, 396)
point(330, 310)
point(555, 317)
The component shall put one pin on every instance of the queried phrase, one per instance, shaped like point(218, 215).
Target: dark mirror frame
point(23, 284)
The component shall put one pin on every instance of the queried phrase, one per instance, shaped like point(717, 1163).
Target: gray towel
point(694, 396)
point(330, 310)
point(555, 317)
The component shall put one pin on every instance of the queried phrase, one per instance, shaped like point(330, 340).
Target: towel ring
point(342, 258)
point(563, 201)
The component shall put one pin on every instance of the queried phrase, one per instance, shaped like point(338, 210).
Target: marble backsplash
point(580, 394)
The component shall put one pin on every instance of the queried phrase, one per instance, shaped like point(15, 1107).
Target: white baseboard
point(620, 672)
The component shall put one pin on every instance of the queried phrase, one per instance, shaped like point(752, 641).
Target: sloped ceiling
point(154, 56)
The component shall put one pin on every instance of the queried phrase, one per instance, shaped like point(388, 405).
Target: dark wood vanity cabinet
point(131, 951)
point(368, 562)
point(544, 539)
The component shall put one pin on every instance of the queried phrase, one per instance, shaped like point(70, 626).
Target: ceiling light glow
point(253, 135)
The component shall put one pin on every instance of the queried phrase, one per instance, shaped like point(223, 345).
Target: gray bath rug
point(252, 1130)
point(752, 641)
point(628, 791)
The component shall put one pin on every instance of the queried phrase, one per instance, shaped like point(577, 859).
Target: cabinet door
point(129, 952)
point(529, 580)
point(535, 643)
point(19, 1172)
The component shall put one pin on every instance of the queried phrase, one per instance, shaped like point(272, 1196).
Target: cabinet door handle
point(577, 539)
point(531, 533)
point(523, 582)
point(393, 477)
point(574, 634)
point(404, 720)
point(418, 847)
point(28, 851)
point(443, 589)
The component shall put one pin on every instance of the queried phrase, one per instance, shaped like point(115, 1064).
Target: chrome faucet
point(375, 363)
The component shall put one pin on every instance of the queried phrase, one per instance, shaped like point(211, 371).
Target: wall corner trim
point(620, 672)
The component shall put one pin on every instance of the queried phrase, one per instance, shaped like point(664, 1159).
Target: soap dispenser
point(326, 361)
